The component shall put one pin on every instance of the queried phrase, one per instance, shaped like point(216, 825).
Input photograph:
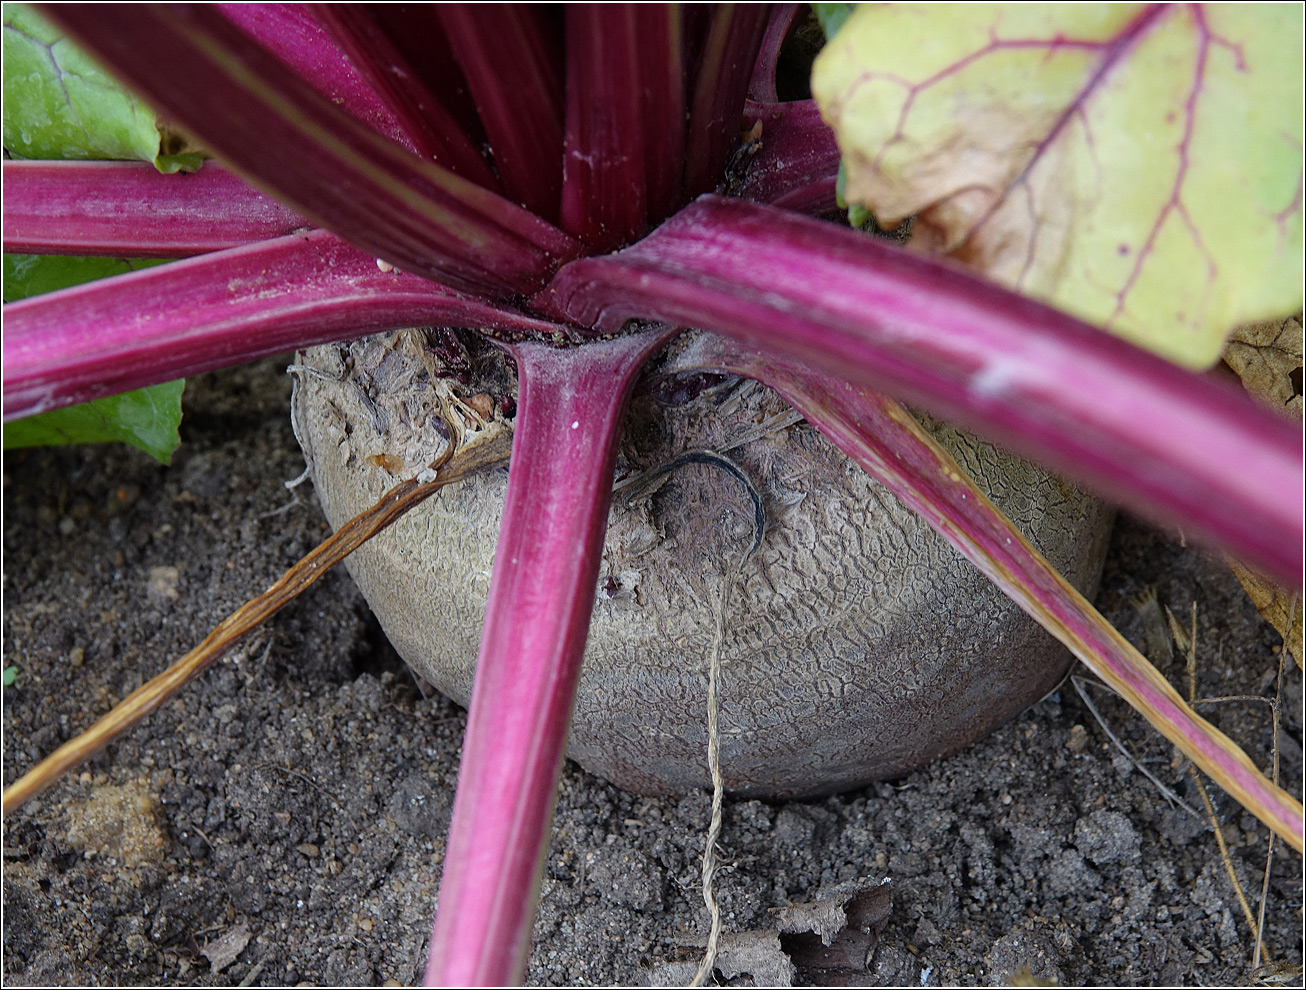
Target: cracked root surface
point(858, 644)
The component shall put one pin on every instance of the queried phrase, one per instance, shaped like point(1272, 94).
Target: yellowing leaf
point(1138, 166)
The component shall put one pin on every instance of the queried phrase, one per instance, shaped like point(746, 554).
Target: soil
point(282, 820)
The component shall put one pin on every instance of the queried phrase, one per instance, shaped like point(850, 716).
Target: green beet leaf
point(832, 16)
point(1139, 166)
point(27, 275)
point(146, 418)
point(60, 104)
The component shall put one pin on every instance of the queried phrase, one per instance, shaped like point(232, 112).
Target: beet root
point(857, 644)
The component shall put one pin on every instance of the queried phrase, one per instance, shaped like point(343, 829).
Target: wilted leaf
point(831, 940)
point(757, 954)
point(1278, 606)
point(146, 418)
point(743, 959)
point(60, 104)
point(1139, 166)
point(1268, 358)
point(222, 951)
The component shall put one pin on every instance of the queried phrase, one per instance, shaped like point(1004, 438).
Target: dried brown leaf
point(831, 940)
point(1278, 606)
point(222, 951)
point(1268, 358)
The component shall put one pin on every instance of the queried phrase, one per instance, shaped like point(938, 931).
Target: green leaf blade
point(27, 275)
point(58, 104)
point(832, 16)
point(147, 418)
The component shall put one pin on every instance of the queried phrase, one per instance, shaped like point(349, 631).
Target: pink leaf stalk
point(213, 311)
point(796, 165)
point(292, 33)
point(761, 87)
point(603, 184)
point(1176, 447)
point(263, 121)
point(513, 67)
point(417, 30)
point(661, 30)
point(734, 32)
point(129, 209)
point(432, 129)
point(888, 443)
point(569, 412)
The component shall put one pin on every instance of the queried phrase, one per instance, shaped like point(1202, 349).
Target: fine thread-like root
point(1224, 852)
point(719, 609)
point(718, 782)
point(1159, 636)
point(1261, 962)
point(1258, 959)
point(1188, 642)
point(297, 429)
point(1080, 683)
point(447, 468)
point(1263, 968)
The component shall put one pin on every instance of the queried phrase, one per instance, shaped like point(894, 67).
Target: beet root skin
point(857, 644)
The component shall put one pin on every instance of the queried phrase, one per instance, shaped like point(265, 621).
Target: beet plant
point(579, 187)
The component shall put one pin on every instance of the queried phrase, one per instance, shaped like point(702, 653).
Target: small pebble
point(163, 584)
point(1078, 739)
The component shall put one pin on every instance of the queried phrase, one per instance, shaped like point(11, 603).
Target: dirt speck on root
point(302, 788)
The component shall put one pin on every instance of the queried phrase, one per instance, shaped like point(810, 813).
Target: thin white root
point(718, 782)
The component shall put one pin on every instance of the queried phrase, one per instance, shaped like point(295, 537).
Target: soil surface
point(282, 821)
